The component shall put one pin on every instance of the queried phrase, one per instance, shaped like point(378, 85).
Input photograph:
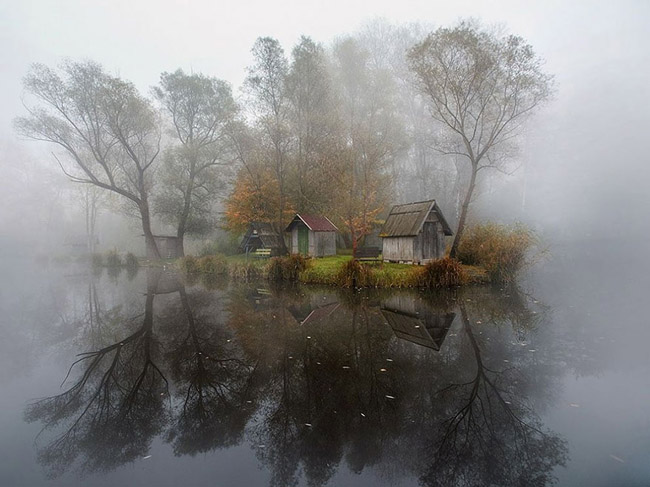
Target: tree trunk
point(463, 213)
point(150, 242)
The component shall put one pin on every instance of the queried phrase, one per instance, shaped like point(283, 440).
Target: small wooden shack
point(169, 246)
point(260, 235)
point(312, 235)
point(414, 232)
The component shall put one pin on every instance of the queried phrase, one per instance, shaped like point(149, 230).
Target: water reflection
point(433, 387)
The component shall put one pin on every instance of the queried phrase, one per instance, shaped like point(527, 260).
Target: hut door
point(303, 240)
point(429, 241)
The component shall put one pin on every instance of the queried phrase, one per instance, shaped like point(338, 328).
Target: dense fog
point(579, 172)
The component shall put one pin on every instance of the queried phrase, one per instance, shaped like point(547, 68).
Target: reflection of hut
point(414, 232)
point(312, 235)
point(260, 235)
point(308, 314)
point(169, 246)
point(413, 320)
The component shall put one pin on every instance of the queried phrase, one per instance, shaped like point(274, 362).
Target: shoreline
point(324, 271)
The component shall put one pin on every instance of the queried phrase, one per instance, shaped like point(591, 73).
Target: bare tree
point(202, 110)
point(106, 129)
point(481, 86)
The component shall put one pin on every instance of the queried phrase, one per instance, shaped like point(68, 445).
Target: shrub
point(189, 264)
point(286, 268)
point(501, 250)
point(440, 273)
point(131, 261)
point(113, 259)
point(213, 265)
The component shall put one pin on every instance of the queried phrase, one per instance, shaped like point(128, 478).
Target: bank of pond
point(339, 270)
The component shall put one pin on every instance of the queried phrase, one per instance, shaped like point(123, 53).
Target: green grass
point(330, 271)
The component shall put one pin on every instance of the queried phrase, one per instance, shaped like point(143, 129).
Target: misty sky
point(589, 141)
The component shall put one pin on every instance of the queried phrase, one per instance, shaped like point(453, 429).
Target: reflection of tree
point(326, 379)
point(113, 410)
point(213, 384)
point(490, 436)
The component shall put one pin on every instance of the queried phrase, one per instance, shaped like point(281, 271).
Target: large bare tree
point(107, 132)
point(481, 87)
point(202, 112)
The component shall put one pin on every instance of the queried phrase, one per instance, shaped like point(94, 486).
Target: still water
point(147, 379)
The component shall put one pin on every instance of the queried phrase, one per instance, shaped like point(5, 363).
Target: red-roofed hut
point(312, 235)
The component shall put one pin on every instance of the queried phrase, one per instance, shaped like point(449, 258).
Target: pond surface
point(121, 379)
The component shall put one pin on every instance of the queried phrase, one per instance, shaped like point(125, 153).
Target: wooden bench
point(368, 254)
point(262, 253)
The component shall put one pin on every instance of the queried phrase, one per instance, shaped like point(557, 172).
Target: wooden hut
point(414, 232)
point(169, 246)
point(260, 235)
point(312, 235)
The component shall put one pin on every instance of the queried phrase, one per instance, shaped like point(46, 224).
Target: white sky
point(140, 39)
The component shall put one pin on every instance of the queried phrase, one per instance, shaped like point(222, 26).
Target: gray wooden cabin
point(312, 235)
point(414, 232)
point(260, 235)
point(169, 246)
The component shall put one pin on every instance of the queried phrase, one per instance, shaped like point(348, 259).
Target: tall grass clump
point(355, 274)
point(113, 259)
point(246, 270)
point(440, 273)
point(286, 268)
point(502, 250)
point(213, 265)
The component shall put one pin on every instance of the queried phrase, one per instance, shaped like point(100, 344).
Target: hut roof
point(407, 220)
point(428, 333)
point(264, 231)
point(316, 223)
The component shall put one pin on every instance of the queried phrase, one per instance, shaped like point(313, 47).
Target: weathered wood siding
point(321, 244)
point(398, 248)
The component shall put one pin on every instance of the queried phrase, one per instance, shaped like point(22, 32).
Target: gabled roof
point(429, 332)
point(407, 220)
point(316, 223)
